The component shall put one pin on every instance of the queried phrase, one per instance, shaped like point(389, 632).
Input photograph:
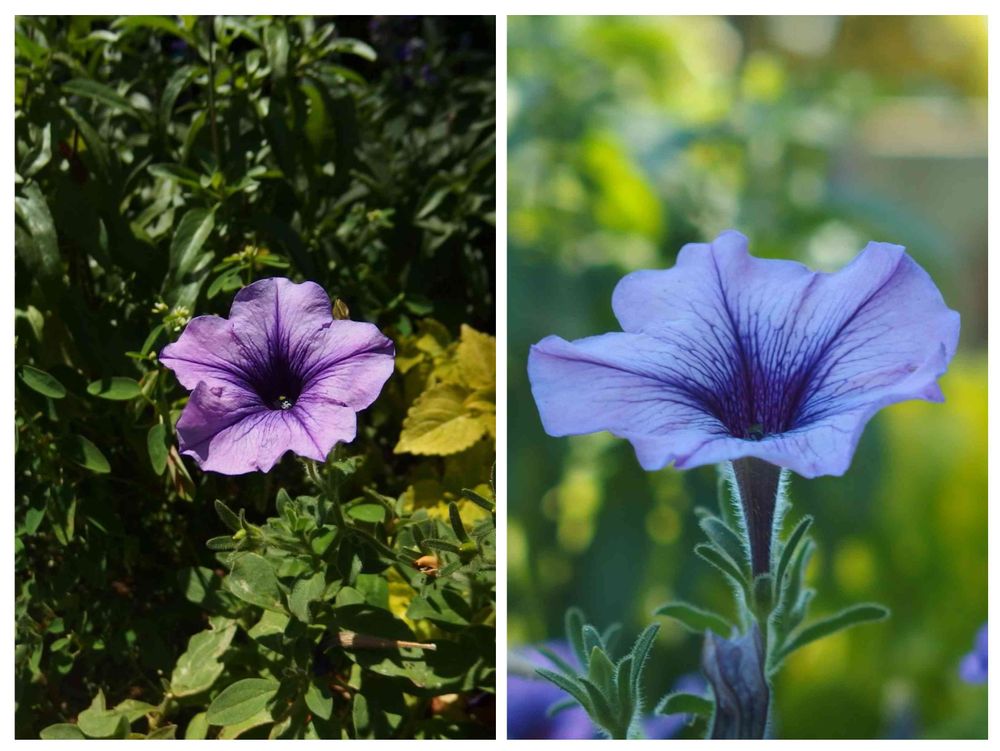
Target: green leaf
point(163, 733)
point(156, 445)
point(438, 423)
point(158, 23)
point(96, 147)
point(683, 703)
point(86, 454)
point(695, 619)
point(721, 561)
point(304, 592)
point(40, 381)
point(185, 249)
point(367, 512)
point(567, 684)
point(574, 633)
point(199, 667)
point(319, 700)
point(349, 46)
point(457, 525)
point(197, 728)
point(179, 81)
point(791, 545)
point(276, 46)
point(62, 731)
point(99, 722)
point(117, 388)
point(252, 580)
point(640, 653)
point(41, 254)
point(241, 701)
point(726, 540)
point(601, 670)
point(360, 716)
point(228, 517)
point(134, 709)
point(101, 93)
point(852, 616)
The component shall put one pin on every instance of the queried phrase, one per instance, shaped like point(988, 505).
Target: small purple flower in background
point(530, 697)
point(973, 668)
point(727, 356)
point(280, 374)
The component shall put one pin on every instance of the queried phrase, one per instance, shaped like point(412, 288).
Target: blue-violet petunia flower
point(974, 667)
point(727, 356)
point(280, 374)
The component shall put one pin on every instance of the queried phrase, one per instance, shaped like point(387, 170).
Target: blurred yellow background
point(629, 137)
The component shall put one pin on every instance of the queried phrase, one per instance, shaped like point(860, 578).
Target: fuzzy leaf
point(682, 703)
point(791, 545)
point(726, 540)
point(241, 701)
point(199, 667)
point(721, 561)
point(252, 580)
point(852, 616)
point(695, 619)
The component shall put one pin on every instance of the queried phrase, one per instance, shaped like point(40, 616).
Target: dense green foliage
point(162, 164)
point(630, 137)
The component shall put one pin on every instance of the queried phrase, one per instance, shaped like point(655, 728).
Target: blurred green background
point(812, 135)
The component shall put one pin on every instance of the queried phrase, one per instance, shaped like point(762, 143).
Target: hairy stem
point(757, 482)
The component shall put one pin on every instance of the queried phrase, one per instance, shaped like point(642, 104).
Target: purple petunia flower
point(974, 667)
point(727, 356)
point(280, 374)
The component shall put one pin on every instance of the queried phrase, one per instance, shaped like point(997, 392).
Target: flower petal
point(206, 351)
point(315, 425)
point(228, 430)
point(621, 383)
point(278, 319)
point(796, 360)
point(350, 364)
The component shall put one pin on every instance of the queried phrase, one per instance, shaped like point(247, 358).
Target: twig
point(351, 640)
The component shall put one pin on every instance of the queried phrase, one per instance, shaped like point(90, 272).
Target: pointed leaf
point(640, 653)
point(156, 445)
point(856, 614)
point(695, 619)
point(252, 580)
point(228, 517)
point(791, 545)
point(601, 671)
point(86, 454)
point(683, 703)
point(721, 561)
point(241, 701)
point(117, 388)
point(574, 634)
point(570, 686)
point(40, 381)
point(456, 523)
point(726, 540)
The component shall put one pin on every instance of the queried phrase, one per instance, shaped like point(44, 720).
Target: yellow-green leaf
point(477, 359)
point(439, 424)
